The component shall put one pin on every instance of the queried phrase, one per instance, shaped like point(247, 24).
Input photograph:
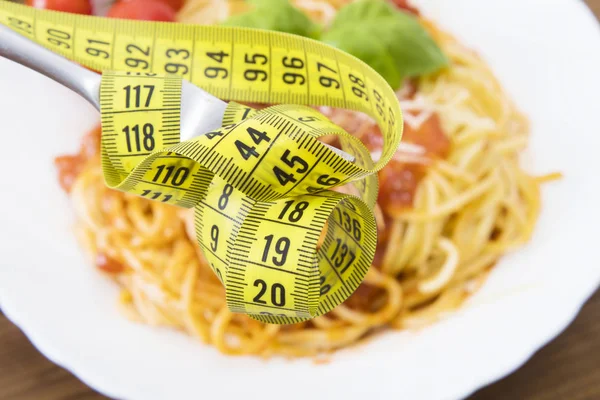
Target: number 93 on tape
point(286, 246)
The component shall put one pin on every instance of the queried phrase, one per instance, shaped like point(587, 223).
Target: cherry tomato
point(145, 10)
point(175, 4)
point(70, 6)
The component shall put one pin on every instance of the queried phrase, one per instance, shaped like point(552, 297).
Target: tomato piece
point(70, 6)
point(429, 135)
point(175, 4)
point(403, 5)
point(144, 10)
point(70, 166)
point(398, 182)
point(107, 264)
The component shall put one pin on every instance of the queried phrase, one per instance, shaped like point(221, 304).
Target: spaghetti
point(453, 200)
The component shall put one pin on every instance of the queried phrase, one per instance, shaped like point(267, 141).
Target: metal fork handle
point(29, 54)
point(201, 112)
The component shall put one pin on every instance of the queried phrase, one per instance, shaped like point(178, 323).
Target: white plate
point(546, 52)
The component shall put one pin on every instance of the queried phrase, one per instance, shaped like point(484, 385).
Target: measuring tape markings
point(270, 248)
point(239, 255)
point(303, 277)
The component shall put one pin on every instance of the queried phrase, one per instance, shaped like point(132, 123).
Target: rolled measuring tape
point(286, 247)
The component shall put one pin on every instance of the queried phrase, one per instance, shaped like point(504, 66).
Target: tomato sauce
point(398, 181)
point(69, 166)
point(430, 136)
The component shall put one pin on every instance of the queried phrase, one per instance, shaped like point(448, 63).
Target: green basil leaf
point(358, 12)
point(275, 15)
point(374, 31)
point(359, 42)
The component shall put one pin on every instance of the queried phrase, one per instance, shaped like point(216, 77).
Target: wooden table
point(568, 368)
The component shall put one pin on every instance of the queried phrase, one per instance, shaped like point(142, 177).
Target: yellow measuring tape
point(286, 247)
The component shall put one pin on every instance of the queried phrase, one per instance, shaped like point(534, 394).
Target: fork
point(201, 112)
